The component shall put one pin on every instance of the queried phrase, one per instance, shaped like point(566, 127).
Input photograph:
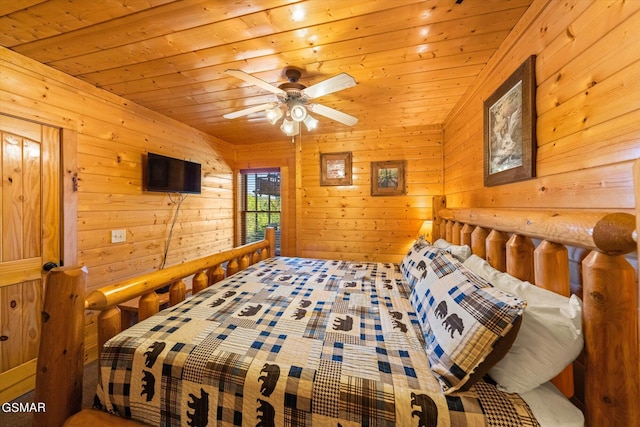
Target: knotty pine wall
point(588, 108)
point(105, 137)
point(588, 116)
point(346, 222)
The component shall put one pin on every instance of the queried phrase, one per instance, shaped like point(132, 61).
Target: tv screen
point(169, 175)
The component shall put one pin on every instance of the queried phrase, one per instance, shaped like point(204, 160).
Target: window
point(261, 204)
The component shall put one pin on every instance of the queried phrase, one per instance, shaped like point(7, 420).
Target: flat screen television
point(169, 175)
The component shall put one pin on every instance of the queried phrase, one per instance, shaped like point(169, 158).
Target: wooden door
point(30, 223)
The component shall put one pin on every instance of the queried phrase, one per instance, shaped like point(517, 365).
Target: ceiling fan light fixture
point(310, 122)
point(298, 112)
point(288, 127)
point(273, 114)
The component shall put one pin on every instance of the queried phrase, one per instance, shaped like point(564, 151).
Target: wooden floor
point(23, 419)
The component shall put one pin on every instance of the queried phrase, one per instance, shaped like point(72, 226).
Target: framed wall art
point(335, 168)
point(387, 178)
point(509, 128)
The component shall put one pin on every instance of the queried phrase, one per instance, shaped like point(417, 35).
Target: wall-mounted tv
point(169, 175)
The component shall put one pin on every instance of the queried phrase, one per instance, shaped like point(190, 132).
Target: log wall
point(588, 111)
point(346, 222)
point(109, 136)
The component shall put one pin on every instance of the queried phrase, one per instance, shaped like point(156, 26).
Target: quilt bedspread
point(291, 342)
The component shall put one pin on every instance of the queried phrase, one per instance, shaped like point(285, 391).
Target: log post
point(479, 242)
point(216, 274)
point(443, 229)
point(612, 384)
point(148, 305)
point(109, 324)
point(520, 257)
point(61, 353)
point(449, 231)
point(232, 267)
point(177, 292)
point(551, 272)
point(465, 235)
point(496, 250)
point(270, 236)
point(455, 233)
point(245, 261)
point(200, 281)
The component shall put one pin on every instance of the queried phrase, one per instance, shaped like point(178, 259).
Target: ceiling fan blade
point(248, 111)
point(330, 85)
point(256, 81)
point(333, 114)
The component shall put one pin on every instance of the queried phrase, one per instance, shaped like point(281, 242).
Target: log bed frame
point(503, 237)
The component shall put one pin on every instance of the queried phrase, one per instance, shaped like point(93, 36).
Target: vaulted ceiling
point(412, 60)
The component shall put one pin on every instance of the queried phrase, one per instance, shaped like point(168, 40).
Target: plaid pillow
point(464, 319)
point(414, 263)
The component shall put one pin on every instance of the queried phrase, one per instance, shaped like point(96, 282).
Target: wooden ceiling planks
point(412, 59)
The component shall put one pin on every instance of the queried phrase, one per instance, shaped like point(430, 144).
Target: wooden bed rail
point(61, 353)
point(610, 290)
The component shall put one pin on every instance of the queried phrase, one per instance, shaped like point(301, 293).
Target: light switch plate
point(118, 236)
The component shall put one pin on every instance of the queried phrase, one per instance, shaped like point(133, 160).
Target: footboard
point(532, 245)
point(61, 353)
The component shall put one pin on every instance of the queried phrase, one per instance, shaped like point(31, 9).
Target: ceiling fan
point(295, 99)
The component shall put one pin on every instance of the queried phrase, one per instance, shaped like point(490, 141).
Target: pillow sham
point(464, 320)
point(459, 252)
point(549, 339)
point(414, 263)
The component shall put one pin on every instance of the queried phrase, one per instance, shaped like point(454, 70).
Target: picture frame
point(335, 169)
point(510, 128)
point(388, 178)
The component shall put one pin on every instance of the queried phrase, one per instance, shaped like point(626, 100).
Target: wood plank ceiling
point(412, 59)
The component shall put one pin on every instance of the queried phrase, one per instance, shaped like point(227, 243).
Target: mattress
point(292, 342)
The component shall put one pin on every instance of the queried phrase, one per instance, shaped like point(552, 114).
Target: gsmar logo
point(24, 407)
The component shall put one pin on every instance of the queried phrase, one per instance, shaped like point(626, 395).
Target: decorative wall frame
point(510, 128)
point(387, 178)
point(335, 168)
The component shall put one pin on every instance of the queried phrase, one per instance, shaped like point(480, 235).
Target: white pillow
point(459, 252)
point(551, 408)
point(550, 336)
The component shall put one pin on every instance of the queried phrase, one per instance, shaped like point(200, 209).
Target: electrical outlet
point(118, 236)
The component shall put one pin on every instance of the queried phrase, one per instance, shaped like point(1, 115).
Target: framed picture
point(335, 168)
point(387, 178)
point(510, 128)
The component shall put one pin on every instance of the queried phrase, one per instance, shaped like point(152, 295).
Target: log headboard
point(532, 245)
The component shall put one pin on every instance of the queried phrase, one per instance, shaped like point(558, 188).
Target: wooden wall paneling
point(353, 224)
point(584, 147)
point(104, 138)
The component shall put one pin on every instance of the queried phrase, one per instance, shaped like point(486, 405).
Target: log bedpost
point(465, 235)
point(479, 242)
point(270, 236)
point(552, 272)
point(611, 334)
point(200, 281)
point(496, 251)
point(178, 292)
point(520, 257)
point(61, 354)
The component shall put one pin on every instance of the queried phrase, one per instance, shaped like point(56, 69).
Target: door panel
point(30, 223)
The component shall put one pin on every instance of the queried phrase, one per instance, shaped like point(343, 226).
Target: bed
point(293, 341)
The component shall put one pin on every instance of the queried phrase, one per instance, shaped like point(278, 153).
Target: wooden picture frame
point(388, 178)
point(510, 128)
point(335, 169)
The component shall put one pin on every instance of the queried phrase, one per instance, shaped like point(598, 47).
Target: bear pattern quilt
point(291, 342)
